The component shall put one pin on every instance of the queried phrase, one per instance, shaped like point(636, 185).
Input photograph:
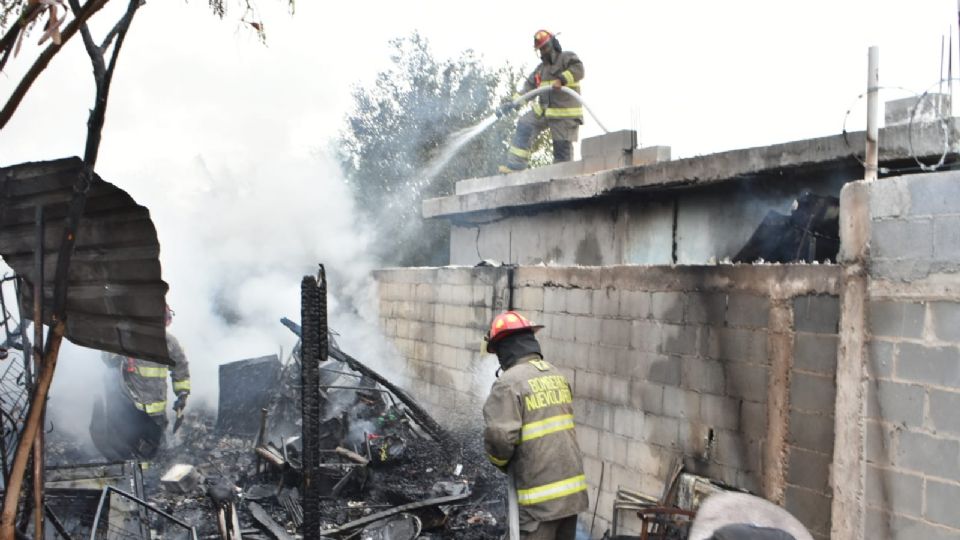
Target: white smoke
point(236, 239)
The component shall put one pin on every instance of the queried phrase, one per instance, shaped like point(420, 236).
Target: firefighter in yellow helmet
point(529, 431)
point(134, 419)
point(555, 109)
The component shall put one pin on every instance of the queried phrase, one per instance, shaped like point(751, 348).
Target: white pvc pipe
point(873, 106)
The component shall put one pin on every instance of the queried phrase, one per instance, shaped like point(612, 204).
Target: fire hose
point(521, 100)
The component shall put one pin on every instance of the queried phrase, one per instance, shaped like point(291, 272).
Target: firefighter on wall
point(133, 420)
point(553, 109)
point(529, 431)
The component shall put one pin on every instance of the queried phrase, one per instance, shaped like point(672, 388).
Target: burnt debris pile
point(385, 469)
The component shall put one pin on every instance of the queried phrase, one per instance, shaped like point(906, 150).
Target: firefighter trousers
point(563, 132)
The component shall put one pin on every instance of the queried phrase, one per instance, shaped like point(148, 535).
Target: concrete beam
point(896, 143)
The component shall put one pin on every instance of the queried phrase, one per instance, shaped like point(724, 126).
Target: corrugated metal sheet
point(115, 299)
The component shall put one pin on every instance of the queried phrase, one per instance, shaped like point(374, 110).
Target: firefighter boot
point(519, 152)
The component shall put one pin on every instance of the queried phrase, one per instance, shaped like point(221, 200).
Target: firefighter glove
point(181, 402)
point(505, 108)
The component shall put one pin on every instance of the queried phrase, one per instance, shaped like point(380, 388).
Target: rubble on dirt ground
point(385, 471)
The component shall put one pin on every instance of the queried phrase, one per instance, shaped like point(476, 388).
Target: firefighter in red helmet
point(529, 431)
point(554, 109)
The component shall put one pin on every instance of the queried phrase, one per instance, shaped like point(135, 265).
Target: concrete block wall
point(666, 362)
point(435, 318)
point(912, 484)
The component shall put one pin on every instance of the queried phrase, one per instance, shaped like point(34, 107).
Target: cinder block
point(704, 376)
point(889, 198)
point(946, 320)
point(737, 345)
point(747, 310)
point(530, 299)
point(720, 412)
point(579, 301)
point(617, 390)
point(563, 327)
point(879, 359)
point(634, 304)
point(935, 365)
point(554, 300)
point(706, 308)
point(602, 359)
point(587, 330)
point(606, 302)
point(613, 448)
point(615, 333)
point(934, 194)
point(816, 313)
point(661, 431)
point(946, 239)
point(944, 409)
point(894, 491)
point(753, 418)
point(589, 440)
point(609, 143)
point(747, 382)
point(595, 414)
point(667, 306)
point(816, 353)
point(679, 403)
point(731, 449)
point(647, 397)
point(645, 335)
point(648, 155)
point(814, 392)
point(811, 508)
point(930, 455)
point(896, 319)
point(879, 443)
point(678, 339)
point(811, 431)
point(809, 470)
point(895, 402)
point(665, 370)
point(628, 422)
point(942, 504)
point(902, 239)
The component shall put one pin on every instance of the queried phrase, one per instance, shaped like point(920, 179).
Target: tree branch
point(41, 63)
point(98, 114)
point(95, 54)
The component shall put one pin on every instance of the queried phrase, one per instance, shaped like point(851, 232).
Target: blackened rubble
point(377, 454)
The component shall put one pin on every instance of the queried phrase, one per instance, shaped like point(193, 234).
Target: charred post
point(313, 316)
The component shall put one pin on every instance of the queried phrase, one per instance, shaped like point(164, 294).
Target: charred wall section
point(678, 226)
point(699, 363)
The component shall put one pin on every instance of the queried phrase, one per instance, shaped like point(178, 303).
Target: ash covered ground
point(374, 459)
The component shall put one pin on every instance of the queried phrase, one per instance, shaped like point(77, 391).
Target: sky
point(225, 139)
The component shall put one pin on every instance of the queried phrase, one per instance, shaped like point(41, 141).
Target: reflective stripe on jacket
point(529, 427)
point(145, 382)
point(566, 67)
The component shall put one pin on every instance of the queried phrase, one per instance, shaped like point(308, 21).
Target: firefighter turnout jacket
point(530, 430)
point(557, 104)
point(145, 382)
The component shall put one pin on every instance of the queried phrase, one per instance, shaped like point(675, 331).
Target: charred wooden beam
point(313, 316)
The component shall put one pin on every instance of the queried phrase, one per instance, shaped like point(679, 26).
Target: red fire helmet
point(541, 38)
point(504, 324)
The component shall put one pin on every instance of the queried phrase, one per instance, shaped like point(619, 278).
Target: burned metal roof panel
point(116, 297)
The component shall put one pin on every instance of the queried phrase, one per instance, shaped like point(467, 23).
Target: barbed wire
point(942, 120)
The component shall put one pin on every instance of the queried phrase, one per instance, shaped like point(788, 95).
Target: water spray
point(462, 137)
